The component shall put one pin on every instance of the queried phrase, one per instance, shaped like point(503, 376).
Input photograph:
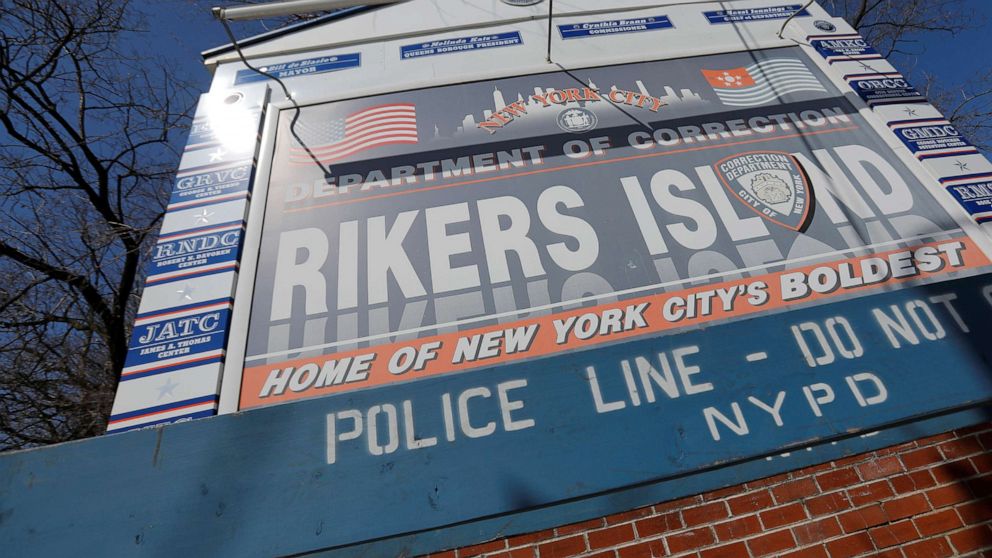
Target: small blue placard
point(208, 185)
point(614, 26)
point(461, 44)
point(853, 47)
point(975, 197)
point(882, 89)
point(305, 67)
point(755, 14)
point(176, 338)
point(931, 138)
point(192, 253)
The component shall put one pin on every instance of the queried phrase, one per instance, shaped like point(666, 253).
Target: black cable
point(296, 107)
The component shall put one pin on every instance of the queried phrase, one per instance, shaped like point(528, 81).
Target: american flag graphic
point(337, 138)
point(762, 82)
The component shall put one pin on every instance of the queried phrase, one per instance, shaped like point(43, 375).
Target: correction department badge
point(772, 184)
point(577, 120)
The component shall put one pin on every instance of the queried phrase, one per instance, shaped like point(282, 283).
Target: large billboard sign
point(451, 291)
point(445, 230)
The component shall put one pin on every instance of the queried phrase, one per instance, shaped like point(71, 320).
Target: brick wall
point(926, 498)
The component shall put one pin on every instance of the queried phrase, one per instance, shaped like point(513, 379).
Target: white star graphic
point(961, 166)
point(217, 155)
point(185, 293)
point(910, 111)
point(166, 388)
point(203, 217)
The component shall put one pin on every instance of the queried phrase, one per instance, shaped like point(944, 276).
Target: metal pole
point(551, 9)
point(290, 7)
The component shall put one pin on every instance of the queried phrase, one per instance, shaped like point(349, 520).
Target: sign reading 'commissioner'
point(443, 230)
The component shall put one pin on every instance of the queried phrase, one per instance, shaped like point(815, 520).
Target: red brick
point(906, 506)
point(475, 550)
point(892, 534)
point(735, 550)
point(948, 495)
point(828, 503)
point(518, 553)
point(938, 438)
point(868, 493)
point(689, 540)
point(929, 548)
point(811, 552)
point(954, 471)
point(890, 553)
point(649, 549)
point(880, 468)
point(794, 490)
point(975, 512)
point(769, 481)
point(580, 527)
point(777, 517)
point(940, 522)
point(446, 554)
point(981, 486)
point(816, 469)
point(611, 536)
point(851, 545)
point(985, 439)
point(628, 516)
point(659, 524)
point(707, 513)
point(678, 504)
point(916, 480)
point(978, 428)
point(857, 520)
point(604, 554)
point(960, 447)
point(901, 448)
point(972, 539)
point(841, 478)
point(852, 460)
point(982, 462)
point(737, 528)
point(562, 547)
point(530, 538)
point(751, 502)
point(922, 458)
point(771, 543)
point(723, 493)
point(816, 531)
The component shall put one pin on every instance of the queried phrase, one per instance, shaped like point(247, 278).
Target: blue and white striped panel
point(176, 353)
point(959, 168)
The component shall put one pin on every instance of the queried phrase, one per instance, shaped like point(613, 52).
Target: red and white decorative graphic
point(334, 139)
point(762, 82)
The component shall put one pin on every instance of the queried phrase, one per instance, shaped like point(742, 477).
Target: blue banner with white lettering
point(198, 186)
point(305, 67)
point(614, 26)
point(854, 48)
point(755, 14)
point(184, 255)
point(883, 89)
point(931, 138)
point(175, 338)
point(461, 44)
point(976, 197)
